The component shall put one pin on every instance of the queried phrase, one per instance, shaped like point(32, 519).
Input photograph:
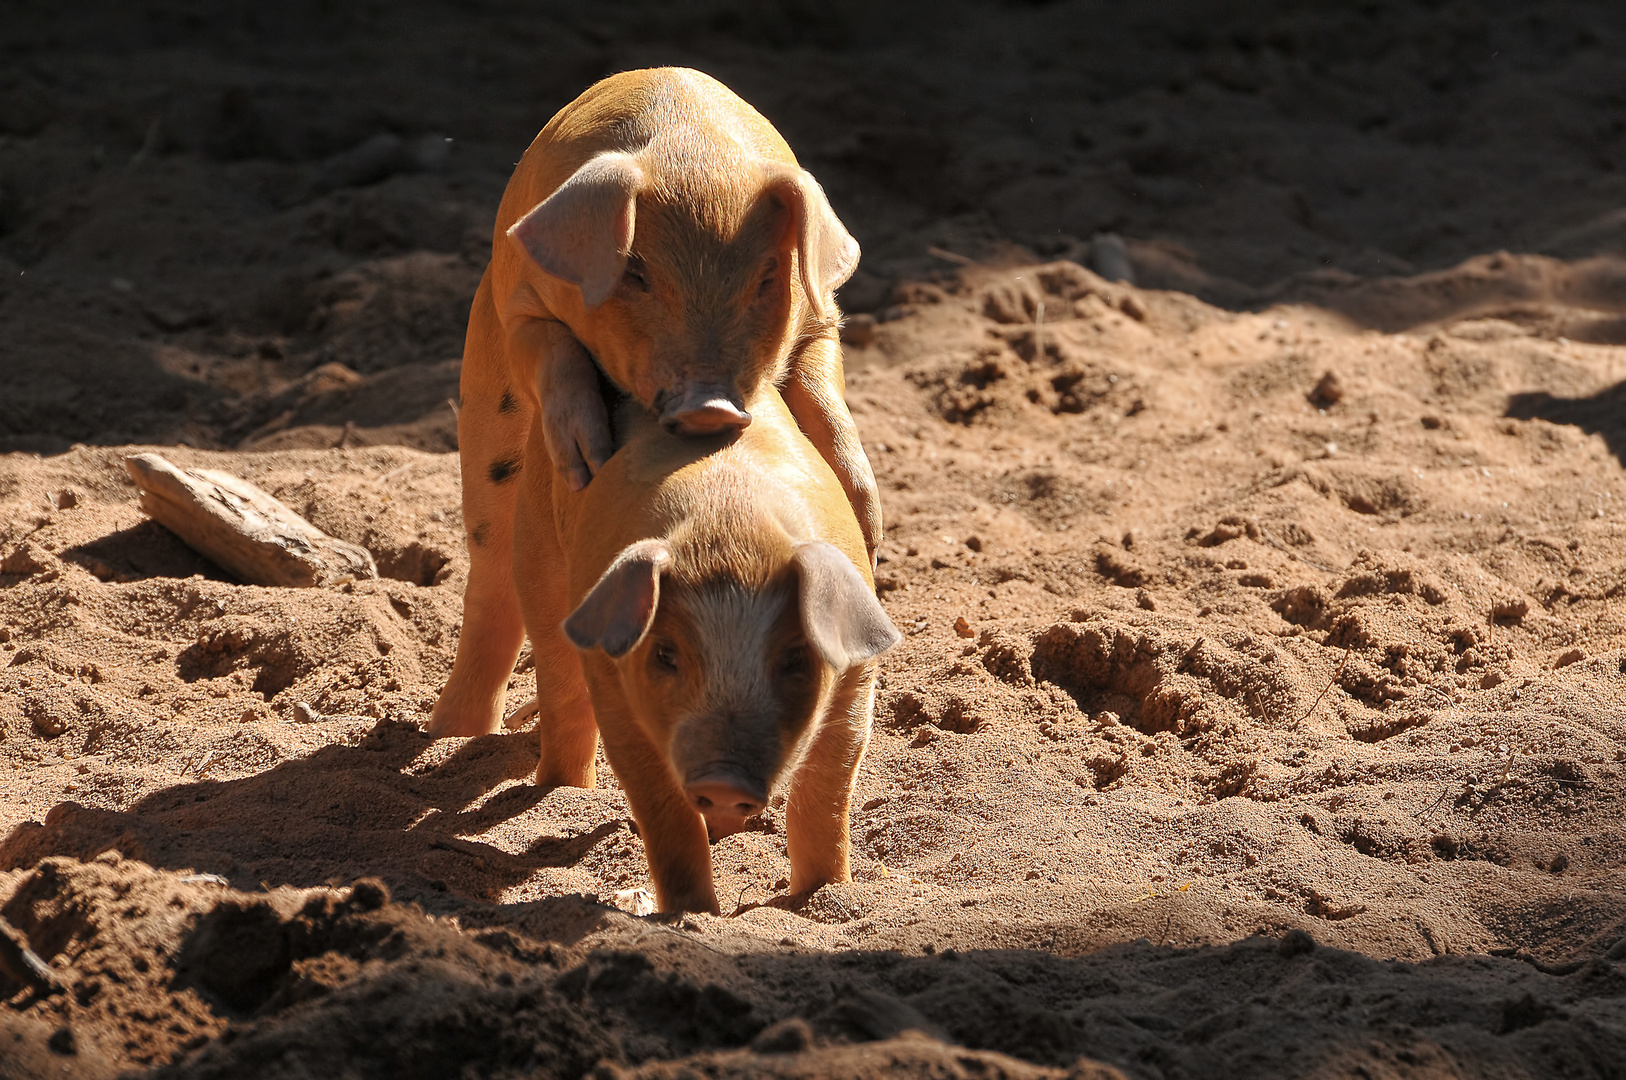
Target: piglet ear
point(840, 615)
point(826, 253)
point(583, 232)
point(616, 613)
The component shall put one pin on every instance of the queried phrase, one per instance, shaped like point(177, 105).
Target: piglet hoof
point(451, 722)
point(688, 903)
point(804, 885)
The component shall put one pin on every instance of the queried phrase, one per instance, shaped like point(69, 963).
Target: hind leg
point(566, 724)
point(815, 392)
point(492, 426)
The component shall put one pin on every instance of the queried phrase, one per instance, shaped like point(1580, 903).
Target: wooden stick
point(1339, 670)
point(951, 256)
point(243, 529)
point(21, 964)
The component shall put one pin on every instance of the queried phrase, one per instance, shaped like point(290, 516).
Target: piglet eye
point(665, 657)
point(770, 277)
point(794, 661)
point(635, 277)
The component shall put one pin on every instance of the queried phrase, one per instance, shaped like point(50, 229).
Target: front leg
point(816, 392)
point(674, 834)
point(816, 815)
point(575, 424)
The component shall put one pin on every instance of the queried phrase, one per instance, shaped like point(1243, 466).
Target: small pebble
point(50, 724)
point(1329, 391)
point(369, 894)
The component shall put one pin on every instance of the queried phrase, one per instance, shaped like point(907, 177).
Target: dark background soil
point(201, 204)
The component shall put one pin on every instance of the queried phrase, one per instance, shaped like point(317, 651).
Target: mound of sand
point(1220, 628)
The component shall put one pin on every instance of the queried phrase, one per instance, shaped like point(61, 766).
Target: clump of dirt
point(221, 967)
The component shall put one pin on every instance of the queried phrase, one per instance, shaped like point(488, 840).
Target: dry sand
point(1261, 710)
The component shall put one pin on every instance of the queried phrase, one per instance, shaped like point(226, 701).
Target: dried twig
point(1325, 689)
point(200, 763)
point(20, 963)
point(522, 715)
point(951, 256)
point(1299, 555)
point(399, 470)
point(1430, 808)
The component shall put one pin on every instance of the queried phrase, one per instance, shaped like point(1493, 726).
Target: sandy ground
point(1262, 709)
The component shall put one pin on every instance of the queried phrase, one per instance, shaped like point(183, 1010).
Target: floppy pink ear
point(826, 253)
point(616, 613)
point(840, 615)
point(582, 232)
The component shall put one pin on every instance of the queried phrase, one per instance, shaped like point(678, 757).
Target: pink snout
point(726, 799)
point(705, 410)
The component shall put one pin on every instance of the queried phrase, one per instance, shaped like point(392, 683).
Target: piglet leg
point(674, 834)
point(815, 392)
point(816, 819)
point(575, 424)
point(566, 727)
point(491, 430)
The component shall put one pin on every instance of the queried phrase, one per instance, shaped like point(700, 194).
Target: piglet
point(706, 606)
point(658, 239)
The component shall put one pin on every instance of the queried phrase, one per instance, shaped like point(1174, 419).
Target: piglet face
point(698, 322)
point(728, 682)
point(729, 676)
point(680, 276)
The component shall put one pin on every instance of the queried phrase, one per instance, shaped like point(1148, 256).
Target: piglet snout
point(704, 410)
point(726, 797)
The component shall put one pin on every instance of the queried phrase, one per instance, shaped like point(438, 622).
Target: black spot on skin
point(508, 403)
point(481, 531)
point(503, 471)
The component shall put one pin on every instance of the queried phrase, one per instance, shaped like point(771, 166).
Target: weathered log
point(244, 530)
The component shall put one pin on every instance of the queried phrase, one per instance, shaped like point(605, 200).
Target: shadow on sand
point(1603, 413)
point(340, 814)
point(345, 975)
